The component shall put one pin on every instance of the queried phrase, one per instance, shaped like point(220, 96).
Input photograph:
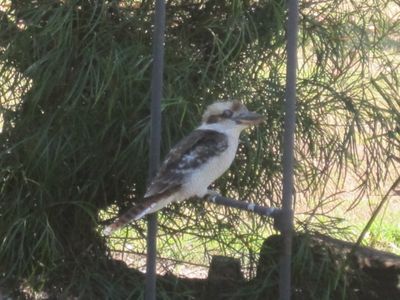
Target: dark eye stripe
point(227, 113)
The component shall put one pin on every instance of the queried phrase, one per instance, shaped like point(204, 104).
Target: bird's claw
point(211, 195)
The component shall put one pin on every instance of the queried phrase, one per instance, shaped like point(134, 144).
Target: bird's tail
point(121, 221)
point(134, 213)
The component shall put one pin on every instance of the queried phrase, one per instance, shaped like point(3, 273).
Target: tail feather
point(122, 220)
point(134, 213)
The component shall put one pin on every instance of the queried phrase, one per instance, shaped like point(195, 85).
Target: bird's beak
point(249, 118)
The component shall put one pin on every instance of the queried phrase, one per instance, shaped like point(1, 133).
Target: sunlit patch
point(21, 25)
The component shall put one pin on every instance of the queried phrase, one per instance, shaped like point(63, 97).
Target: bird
point(195, 162)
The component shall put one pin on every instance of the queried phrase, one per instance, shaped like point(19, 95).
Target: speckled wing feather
point(191, 152)
point(185, 157)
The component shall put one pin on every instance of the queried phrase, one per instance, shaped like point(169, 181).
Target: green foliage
point(318, 271)
point(75, 108)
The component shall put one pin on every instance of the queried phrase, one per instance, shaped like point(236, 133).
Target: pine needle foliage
point(75, 78)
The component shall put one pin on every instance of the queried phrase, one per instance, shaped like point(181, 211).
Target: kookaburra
point(196, 161)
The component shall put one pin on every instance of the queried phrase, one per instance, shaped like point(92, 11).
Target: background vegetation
point(75, 126)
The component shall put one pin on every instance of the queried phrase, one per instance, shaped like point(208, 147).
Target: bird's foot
point(211, 195)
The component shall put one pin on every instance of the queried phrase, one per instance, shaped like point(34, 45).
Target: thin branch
point(375, 213)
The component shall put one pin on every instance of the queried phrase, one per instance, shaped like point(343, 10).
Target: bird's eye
point(227, 113)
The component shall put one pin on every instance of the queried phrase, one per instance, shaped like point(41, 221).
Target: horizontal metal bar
point(243, 205)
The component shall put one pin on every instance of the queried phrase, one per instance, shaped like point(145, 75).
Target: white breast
point(200, 179)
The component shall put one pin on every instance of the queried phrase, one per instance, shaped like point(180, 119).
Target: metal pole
point(288, 151)
point(244, 205)
point(155, 139)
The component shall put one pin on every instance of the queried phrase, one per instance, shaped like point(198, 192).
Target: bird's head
point(230, 114)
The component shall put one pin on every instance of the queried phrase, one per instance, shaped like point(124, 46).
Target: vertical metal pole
point(288, 151)
point(155, 139)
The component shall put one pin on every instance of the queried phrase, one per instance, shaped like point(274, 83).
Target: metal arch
point(288, 151)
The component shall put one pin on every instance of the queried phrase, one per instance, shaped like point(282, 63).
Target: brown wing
point(185, 157)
